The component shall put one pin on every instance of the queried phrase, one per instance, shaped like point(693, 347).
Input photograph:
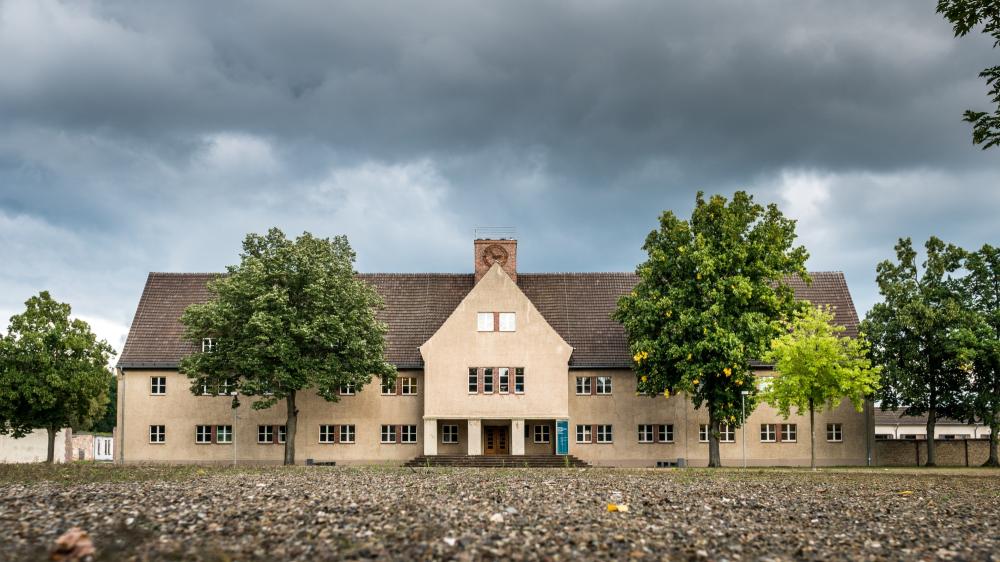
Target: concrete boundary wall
point(950, 452)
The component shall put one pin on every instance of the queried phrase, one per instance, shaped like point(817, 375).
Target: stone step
point(498, 461)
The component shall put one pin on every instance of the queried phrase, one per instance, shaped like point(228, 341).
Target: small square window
point(203, 434)
point(223, 434)
point(603, 385)
point(767, 433)
point(204, 389)
point(484, 322)
point(789, 432)
point(388, 434)
point(583, 434)
point(265, 434)
point(665, 433)
point(834, 432)
point(388, 387)
point(449, 434)
point(347, 389)
point(519, 380)
point(157, 386)
point(227, 387)
point(347, 434)
point(543, 434)
point(508, 322)
point(326, 433)
point(157, 434)
point(207, 345)
point(727, 434)
point(583, 385)
point(408, 434)
point(408, 386)
point(605, 434)
point(646, 433)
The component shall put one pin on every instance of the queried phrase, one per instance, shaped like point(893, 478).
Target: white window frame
point(347, 389)
point(348, 433)
point(388, 389)
point(835, 432)
point(488, 380)
point(703, 433)
point(282, 434)
point(518, 380)
point(727, 433)
point(542, 434)
point(207, 345)
point(326, 433)
point(227, 387)
point(583, 433)
point(202, 434)
point(484, 321)
point(503, 380)
point(665, 433)
point(203, 384)
point(604, 385)
point(473, 380)
point(224, 434)
point(768, 433)
point(408, 386)
point(647, 433)
point(449, 434)
point(585, 384)
point(387, 431)
point(265, 434)
point(157, 385)
point(789, 433)
point(508, 322)
point(605, 433)
point(407, 434)
point(158, 434)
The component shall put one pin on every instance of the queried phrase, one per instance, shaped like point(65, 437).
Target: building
point(34, 447)
point(893, 424)
point(493, 362)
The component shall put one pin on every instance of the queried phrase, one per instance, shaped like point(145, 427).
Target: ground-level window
point(504, 382)
point(388, 434)
point(703, 433)
point(265, 434)
point(223, 434)
point(789, 432)
point(158, 386)
point(202, 434)
point(604, 385)
point(542, 434)
point(768, 433)
point(519, 380)
point(727, 434)
point(408, 386)
point(347, 434)
point(488, 380)
point(834, 432)
point(347, 389)
point(646, 433)
point(583, 385)
point(327, 434)
point(157, 434)
point(408, 434)
point(449, 434)
point(665, 433)
point(583, 434)
point(605, 434)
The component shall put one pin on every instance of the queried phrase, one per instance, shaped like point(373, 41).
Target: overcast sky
point(152, 136)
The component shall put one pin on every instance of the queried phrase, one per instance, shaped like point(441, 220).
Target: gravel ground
point(515, 514)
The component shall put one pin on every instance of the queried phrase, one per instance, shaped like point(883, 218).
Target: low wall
point(950, 452)
point(34, 446)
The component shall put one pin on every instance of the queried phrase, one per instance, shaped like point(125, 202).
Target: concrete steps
point(499, 461)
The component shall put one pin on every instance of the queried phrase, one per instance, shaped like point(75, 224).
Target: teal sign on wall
point(562, 437)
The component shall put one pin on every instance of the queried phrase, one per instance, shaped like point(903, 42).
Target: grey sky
point(139, 136)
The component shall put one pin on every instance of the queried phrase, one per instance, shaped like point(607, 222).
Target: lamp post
point(743, 415)
point(232, 435)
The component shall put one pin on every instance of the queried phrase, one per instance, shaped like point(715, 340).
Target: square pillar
point(430, 437)
point(517, 437)
point(475, 437)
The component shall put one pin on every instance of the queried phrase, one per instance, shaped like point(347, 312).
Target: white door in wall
point(104, 448)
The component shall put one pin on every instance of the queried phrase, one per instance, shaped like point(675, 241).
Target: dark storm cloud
point(154, 135)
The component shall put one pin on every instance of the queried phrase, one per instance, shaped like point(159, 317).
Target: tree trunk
point(931, 422)
point(713, 439)
point(812, 435)
point(51, 458)
point(293, 414)
point(994, 430)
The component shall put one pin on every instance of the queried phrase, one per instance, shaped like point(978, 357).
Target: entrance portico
point(482, 436)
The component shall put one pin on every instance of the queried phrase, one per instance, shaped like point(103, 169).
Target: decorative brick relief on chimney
point(488, 252)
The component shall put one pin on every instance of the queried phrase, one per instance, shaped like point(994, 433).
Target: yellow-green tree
point(817, 367)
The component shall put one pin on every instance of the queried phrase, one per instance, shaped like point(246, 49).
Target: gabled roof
point(894, 417)
point(577, 305)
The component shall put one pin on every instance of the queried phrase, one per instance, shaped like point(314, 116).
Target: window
point(789, 432)
point(727, 434)
point(327, 434)
point(504, 379)
point(703, 433)
point(519, 380)
point(583, 385)
point(347, 434)
point(883, 436)
point(473, 380)
point(203, 388)
point(767, 433)
point(282, 433)
point(484, 322)
point(227, 387)
point(764, 383)
point(157, 434)
point(507, 322)
point(408, 434)
point(646, 432)
point(488, 381)
point(665, 433)
point(542, 434)
point(583, 434)
point(604, 385)
point(449, 434)
point(604, 434)
point(223, 434)
point(388, 387)
point(265, 434)
point(202, 434)
point(408, 386)
point(388, 434)
point(207, 345)
point(347, 389)
point(834, 432)
point(158, 386)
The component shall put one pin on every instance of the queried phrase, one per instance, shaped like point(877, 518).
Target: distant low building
point(893, 424)
point(34, 447)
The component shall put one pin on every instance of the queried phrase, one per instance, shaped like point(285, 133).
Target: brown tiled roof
point(892, 417)
point(577, 305)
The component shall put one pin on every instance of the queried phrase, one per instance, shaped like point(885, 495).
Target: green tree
point(919, 334)
point(292, 316)
point(108, 421)
point(965, 16)
point(983, 289)
point(53, 371)
point(818, 367)
point(709, 300)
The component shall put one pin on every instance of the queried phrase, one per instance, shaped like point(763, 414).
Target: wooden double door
point(496, 440)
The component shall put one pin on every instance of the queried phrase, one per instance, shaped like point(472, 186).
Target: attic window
point(507, 322)
point(207, 345)
point(484, 322)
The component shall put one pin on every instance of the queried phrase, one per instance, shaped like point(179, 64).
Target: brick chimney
point(500, 250)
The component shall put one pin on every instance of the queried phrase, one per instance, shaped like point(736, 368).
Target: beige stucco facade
point(451, 417)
